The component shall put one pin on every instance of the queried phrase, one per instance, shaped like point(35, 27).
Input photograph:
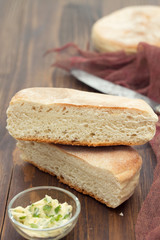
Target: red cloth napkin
point(141, 72)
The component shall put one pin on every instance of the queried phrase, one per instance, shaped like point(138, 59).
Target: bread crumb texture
point(109, 174)
point(73, 117)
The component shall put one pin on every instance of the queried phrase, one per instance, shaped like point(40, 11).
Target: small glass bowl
point(35, 194)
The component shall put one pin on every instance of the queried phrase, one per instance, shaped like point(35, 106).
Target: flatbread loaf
point(125, 28)
point(73, 117)
point(109, 174)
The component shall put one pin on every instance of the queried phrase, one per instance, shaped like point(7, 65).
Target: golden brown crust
point(123, 161)
point(76, 143)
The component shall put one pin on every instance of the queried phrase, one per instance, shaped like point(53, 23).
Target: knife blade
point(108, 87)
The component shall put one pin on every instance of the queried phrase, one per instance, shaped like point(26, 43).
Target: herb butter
point(46, 213)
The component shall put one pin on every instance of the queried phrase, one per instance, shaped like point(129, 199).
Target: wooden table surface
point(27, 30)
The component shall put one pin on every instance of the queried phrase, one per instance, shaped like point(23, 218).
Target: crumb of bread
point(109, 174)
point(121, 214)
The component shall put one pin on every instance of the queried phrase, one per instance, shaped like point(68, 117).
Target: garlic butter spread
point(43, 214)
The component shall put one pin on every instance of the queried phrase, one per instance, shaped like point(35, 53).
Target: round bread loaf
point(125, 28)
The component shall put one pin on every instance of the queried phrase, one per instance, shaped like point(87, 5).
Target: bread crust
point(62, 180)
point(77, 143)
point(122, 162)
point(125, 28)
point(71, 97)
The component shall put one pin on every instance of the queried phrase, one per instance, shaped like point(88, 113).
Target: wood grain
point(27, 30)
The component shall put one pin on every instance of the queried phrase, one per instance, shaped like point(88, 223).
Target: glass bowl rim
point(76, 200)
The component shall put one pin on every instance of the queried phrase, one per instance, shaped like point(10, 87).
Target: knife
point(107, 87)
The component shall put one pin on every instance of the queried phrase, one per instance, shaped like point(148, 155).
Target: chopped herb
point(58, 217)
point(52, 220)
point(66, 216)
point(47, 209)
point(30, 207)
point(36, 212)
point(23, 217)
point(33, 225)
point(36, 215)
point(57, 209)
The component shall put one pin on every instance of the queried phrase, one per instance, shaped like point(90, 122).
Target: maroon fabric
point(148, 221)
point(140, 72)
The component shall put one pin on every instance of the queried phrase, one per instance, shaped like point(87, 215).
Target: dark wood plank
point(27, 30)
point(8, 14)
